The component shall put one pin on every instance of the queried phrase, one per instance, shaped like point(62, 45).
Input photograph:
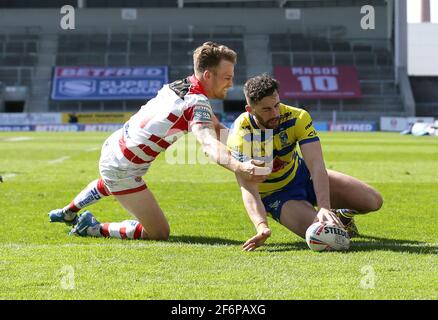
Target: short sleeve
point(304, 130)
point(201, 112)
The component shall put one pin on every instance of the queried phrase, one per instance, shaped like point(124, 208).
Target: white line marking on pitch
point(92, 149)
point(59, 160)
point(147, 244)
point(13, 139)
point(8, 176)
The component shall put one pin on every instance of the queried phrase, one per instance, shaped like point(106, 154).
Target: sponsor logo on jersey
point(246, 128)
point(309, 125)
point(180, 87)
point(274, 205)
point(202, 113)
point(203, 103)
point(126, 130)
point(283, 139)
point(278, 165)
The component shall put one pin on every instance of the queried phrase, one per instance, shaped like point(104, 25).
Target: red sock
point(128, 229)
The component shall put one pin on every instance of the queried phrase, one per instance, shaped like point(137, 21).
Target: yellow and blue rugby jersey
point(276, 147)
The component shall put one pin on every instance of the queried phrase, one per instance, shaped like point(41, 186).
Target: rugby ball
point(327, 237)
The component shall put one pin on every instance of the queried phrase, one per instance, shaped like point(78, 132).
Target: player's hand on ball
point(254, 170)
point(325, 215)
point(258, 240)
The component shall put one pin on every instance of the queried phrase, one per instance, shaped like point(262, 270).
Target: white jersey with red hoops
point(130, 151)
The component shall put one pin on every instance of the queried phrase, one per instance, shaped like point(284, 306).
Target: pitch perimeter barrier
point(96, 117)
point(20, 119)
point(52, 118)
point(354, 126)
point(61, 127)
point(397, 124)
point(111, 127)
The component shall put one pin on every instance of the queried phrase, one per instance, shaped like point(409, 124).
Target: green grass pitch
point(396, 258)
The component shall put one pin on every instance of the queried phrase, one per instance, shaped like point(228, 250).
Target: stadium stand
point(18, 57)
point(27, 57)
point(372, 58)
point(189, 3)
point(142, 49)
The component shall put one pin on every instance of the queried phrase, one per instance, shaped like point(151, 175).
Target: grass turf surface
point(396, 258)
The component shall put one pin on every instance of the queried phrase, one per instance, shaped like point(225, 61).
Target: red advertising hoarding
point(332, 82)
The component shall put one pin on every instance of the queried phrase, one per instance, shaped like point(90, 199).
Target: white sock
point(91, 194)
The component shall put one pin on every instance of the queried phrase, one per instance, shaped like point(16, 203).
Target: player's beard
point(273, 123)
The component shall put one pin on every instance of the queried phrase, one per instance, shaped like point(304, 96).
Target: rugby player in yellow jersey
point(300, 190)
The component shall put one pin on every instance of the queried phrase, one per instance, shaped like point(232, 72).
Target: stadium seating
point(316, 45)
point(188, 4)
point(371, 58)
point(18, 56)
point(140, 49)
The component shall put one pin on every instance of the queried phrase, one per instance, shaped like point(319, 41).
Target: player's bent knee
point(379, 201)
point(160, 235)
point(376, 201)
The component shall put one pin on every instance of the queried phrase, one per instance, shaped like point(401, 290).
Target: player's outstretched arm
point(217, 151)
point(312, 154)
point(256, 212)
point(220, 129)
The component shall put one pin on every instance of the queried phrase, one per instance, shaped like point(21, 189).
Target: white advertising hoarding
point(30, 118)
point(398, 124)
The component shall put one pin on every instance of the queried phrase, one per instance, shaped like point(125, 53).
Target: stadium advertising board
point(57, 128)
point(354, 126)
point(398, 124)
point(102, 117)
point(15, 128)
point(321, 126)
point(332, 82)
point(98, 83)
point(61, 127)
point(101, 127)
point(29, 118)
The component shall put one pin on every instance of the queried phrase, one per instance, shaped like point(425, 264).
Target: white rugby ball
point(327, 237)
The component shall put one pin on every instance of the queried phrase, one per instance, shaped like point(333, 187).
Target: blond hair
point(209, 55)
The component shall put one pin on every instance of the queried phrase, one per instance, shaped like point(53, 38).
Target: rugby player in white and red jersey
point(128, 153)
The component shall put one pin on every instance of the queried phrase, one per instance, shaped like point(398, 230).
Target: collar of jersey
point(251, 119)
point(196, 86)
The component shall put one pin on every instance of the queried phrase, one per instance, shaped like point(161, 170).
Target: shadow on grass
point(361, 243)
point(366, 243)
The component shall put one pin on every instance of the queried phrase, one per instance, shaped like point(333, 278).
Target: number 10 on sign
point(318, 83)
